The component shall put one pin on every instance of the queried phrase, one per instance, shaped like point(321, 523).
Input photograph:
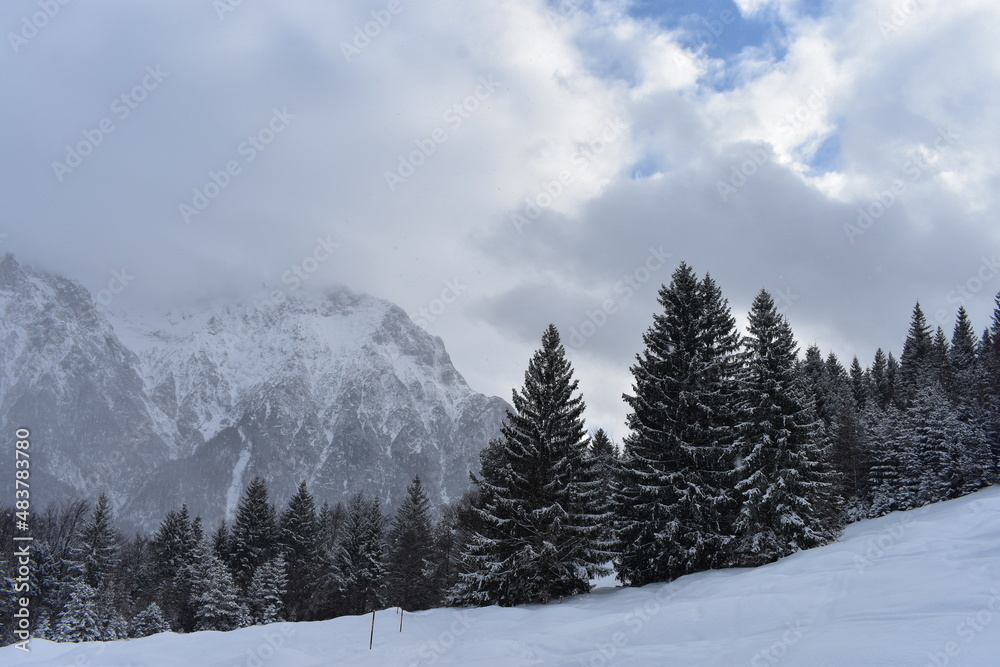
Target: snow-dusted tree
point(148, 622)
point(301, 545)
point(859, 385)
point(410, 563)
point(255, 533)
point(360, 557)
point(267, 593)
point(881, 383)
point(916, 365)
point(97, 551)
point(673, 495)
point(787, 491)
point(989, 382)
point(222, 542)
point(81, 620)
point(214, 594)
point(540, 530)
point(605, 455)
point(173, 552)
point(832, 391)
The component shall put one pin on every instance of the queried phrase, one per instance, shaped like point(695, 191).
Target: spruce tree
point(605, 456)
point(301, 545)
point(540, 524)
point(916, 363)
point(267, 593)
point(787, 493)
point(148, 622)
point(962, 355)
point(989, 374)
point(173, 550)
point(859, 385)
point(254, 537)
point(214, 595)
point(410, 564)
point(881, 383)
point(80, 621)
point(360, 556)
point(98, 549)
point(672, 498)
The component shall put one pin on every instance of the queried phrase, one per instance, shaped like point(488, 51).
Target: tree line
point(738, 452)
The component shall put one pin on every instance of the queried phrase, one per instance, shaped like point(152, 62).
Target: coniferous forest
point(741, 449)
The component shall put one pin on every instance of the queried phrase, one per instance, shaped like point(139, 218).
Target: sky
point(492, 167)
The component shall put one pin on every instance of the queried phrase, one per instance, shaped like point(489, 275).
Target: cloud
point(535, 153)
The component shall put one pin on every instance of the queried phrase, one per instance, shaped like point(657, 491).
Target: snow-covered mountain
point(340, 389)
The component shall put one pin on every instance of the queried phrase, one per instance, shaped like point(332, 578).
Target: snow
point(916, 588)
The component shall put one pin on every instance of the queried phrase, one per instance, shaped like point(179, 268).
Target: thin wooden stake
point(371, 639)
point(401, 619)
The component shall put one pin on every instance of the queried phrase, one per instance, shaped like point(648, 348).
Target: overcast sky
point(503, 165)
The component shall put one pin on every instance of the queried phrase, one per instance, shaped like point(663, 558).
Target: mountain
point(339, 389)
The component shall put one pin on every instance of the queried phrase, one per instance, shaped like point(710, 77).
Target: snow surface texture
point(913, 588)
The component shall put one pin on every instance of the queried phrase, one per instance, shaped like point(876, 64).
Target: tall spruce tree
point(301, 544)
point(859, 385)
point(672, 498)
point(916, 363)
point(410, 565)
point(605, 456)
point(787, 491)
point(98, 550)
point(214, 595)
point(360, 557)
point(255, 533)
point(540, 523)
point(173, 550)
point(268, 591)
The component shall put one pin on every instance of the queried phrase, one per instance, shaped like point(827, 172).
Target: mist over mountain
point(338, 388)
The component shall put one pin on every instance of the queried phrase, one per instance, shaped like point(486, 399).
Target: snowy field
point(917, 588)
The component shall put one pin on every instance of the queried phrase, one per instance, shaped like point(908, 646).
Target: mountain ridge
point(337, 388)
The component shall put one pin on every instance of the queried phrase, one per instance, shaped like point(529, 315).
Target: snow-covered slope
point(337, 388)
point(915, 588)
